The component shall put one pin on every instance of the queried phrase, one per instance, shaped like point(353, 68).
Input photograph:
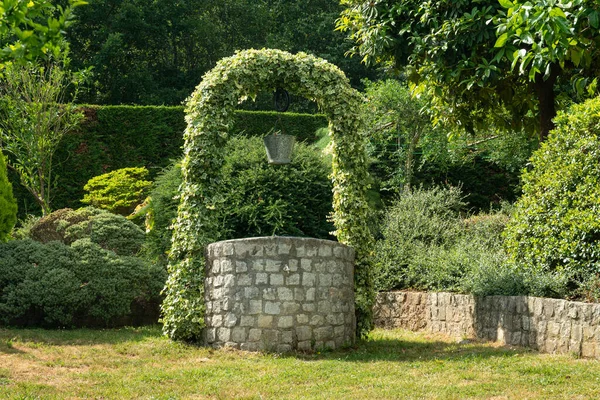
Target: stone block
point(251, 292)
point(309, 279)
point(256, 307)
point(325, 280)
point(261, 278)
point(284, 248)
point(284, 348)
point(265, 321)
point(290, 307)
point(244, 280)
point(269, 293)
point(285, 294)
point(285, 321)
point(257, 266)
point(272, 308)
point(299, 294)
point(308, 307)
point(323, 333)
point(254, 335)
point(304, 346)
point(247, 320)
point(238, 334)
point(272, 266)
point(306, 264)
point(230, 320)
point(325, 251)
point(287, 337)
point(210, 334)
point(223, 334)
point(292, 280)
point(217, 320)
point(317, 320)
point(276, 279)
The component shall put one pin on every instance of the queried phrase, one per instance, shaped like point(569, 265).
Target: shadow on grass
point(77, 337)
point(407, 351)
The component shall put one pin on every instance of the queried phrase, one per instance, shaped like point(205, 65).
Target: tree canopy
point(466, 53)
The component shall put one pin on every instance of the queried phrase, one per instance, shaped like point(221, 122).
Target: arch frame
point(209, 116)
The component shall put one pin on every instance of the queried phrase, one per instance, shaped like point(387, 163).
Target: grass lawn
point(140, 363)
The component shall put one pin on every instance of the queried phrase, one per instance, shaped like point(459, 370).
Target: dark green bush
point(110, 231)
point(56, 285)
point(555, 231)
point(119, 191)
point(8, 204)
point(257, 198)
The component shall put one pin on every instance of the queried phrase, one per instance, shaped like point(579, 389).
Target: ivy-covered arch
point(209, 115)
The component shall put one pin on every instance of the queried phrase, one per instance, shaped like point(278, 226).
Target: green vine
point(209, 116)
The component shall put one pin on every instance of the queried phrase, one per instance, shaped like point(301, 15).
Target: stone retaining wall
point(547, 325)
point(279, 294)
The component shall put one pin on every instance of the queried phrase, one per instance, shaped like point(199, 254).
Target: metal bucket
point(279, 148)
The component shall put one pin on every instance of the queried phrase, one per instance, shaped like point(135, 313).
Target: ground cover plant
point(141, 363)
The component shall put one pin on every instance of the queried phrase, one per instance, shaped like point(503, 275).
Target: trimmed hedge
point(114, 137)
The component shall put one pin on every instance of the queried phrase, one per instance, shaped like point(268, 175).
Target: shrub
point(414, 227)
point(555, 231)
point(8, 204)
point(56, 285)
point(119, 191)
point(110, 231)
point(427, 245)
point(257, 198)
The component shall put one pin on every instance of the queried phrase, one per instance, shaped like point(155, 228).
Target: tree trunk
point(544, 89)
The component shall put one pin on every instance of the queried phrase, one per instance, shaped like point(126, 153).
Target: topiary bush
point(8, 204)
point(119, 191)
point(555, 232)
point(257, 199)
point(110, 231)
point(55, 285)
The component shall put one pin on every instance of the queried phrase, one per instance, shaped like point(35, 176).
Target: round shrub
point(555, 231)
point(119, 191)
point(110, 231)
point(8, 204)
point(56, 285)
point(258, 199)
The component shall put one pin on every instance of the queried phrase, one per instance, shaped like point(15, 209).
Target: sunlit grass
point(140, 363)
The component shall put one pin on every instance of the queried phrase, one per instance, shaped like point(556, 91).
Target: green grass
point(140, 363)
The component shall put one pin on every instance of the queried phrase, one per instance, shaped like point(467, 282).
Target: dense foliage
point(81, 284)
point(155, 52)
point(258, 199)
point(8, 204)
point(119, 191)
point(427, 244)
point(464, 53)
point(556, 228)
point(209, 115)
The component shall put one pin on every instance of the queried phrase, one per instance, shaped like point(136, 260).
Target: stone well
point(279, 294)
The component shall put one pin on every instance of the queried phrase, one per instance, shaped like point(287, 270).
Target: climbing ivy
point(209, 116)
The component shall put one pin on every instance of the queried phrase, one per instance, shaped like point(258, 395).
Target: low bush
point(57, 285)
point(8, 204)
point(110, 231)
point(258, 199)
point(428, 244)
point(119, 191)
point(555, 232)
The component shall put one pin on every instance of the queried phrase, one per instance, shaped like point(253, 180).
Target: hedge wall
point(113, 137)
